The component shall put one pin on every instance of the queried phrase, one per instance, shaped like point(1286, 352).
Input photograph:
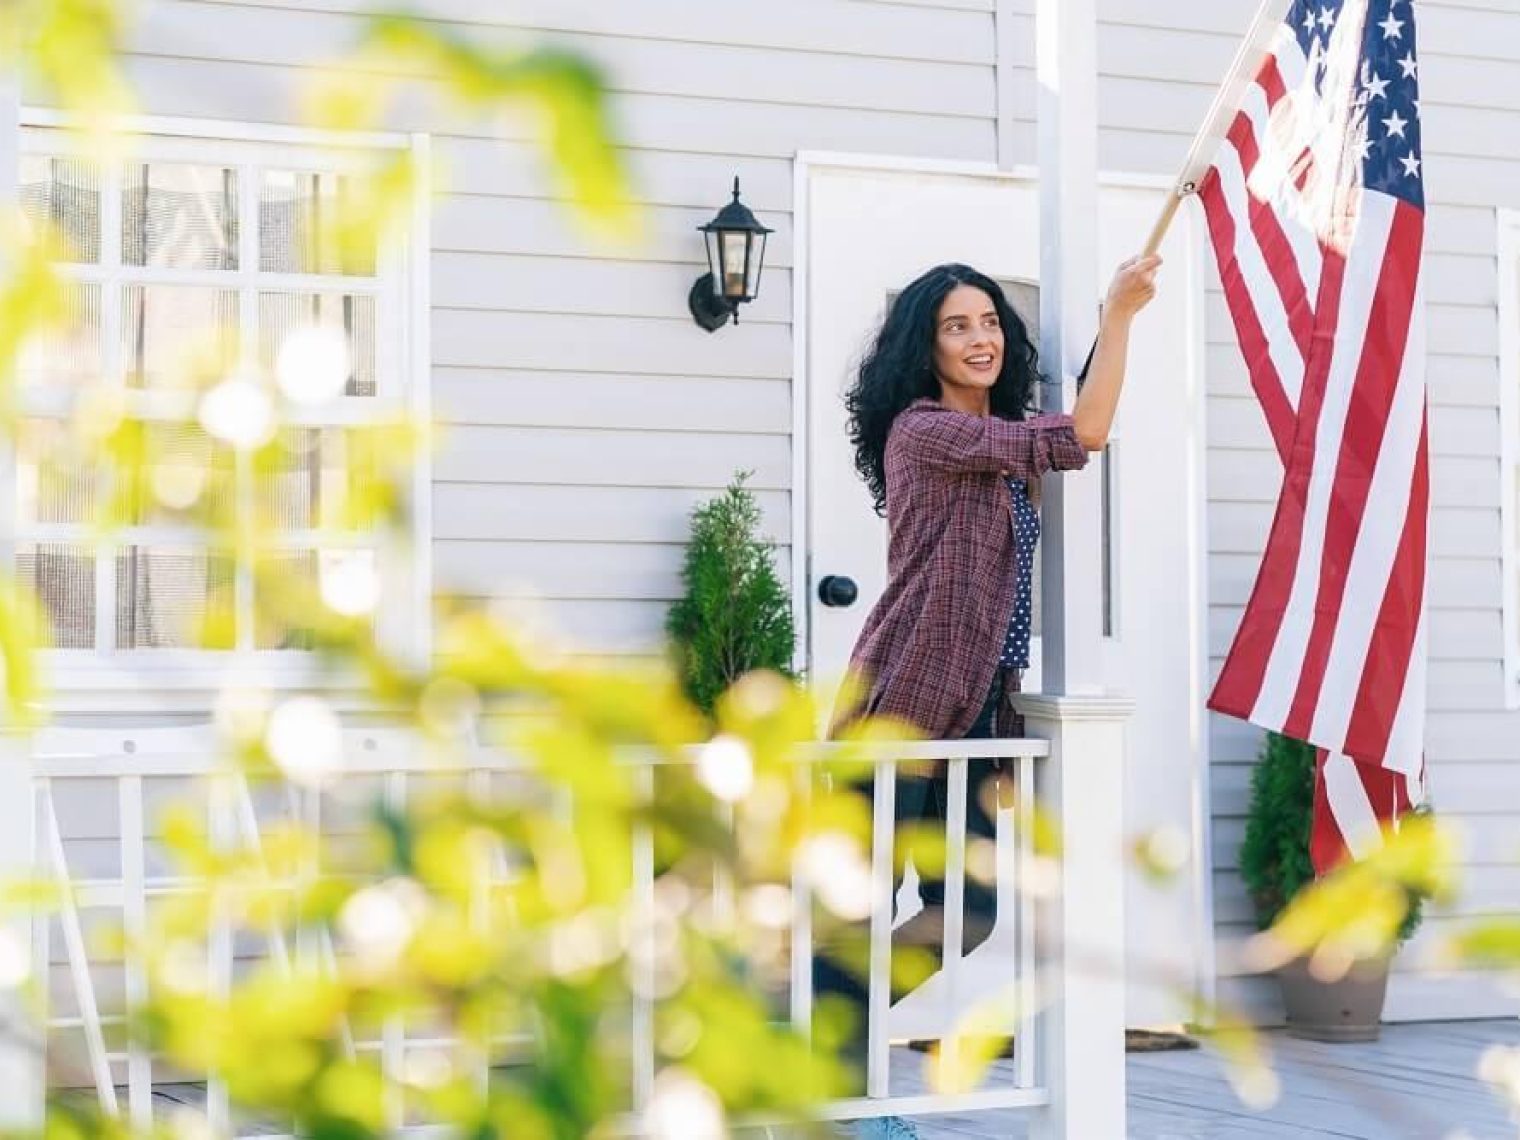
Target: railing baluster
point(1025, 1047)
point(134, 913)
point(219, 951)
point(723, 901)
point(643, 947)
point(393, 1032)
point(802, 925)
point(954, 906)
point(879, 982)
point(478, 788)
point(248, 821)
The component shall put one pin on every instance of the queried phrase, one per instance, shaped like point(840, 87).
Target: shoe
point(884, 1128)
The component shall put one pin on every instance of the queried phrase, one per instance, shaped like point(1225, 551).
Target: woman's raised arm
point(1132, 288)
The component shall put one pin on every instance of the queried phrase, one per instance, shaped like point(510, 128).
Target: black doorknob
point(838, 591)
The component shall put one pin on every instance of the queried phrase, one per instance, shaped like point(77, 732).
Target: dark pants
point(921, 799)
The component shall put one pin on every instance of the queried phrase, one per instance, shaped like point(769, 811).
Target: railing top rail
point(111, 761)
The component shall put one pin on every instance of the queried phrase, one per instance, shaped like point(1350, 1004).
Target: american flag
point(1316, 210)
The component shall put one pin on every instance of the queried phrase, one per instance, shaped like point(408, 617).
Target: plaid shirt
point(930, 647)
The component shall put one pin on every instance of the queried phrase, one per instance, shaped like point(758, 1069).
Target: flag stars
point(1309, 20)
point(1409, 67)
point(1411, 165)
point(1395, 125)
point(1392, 27)
point(1327, 19)
point(1377, 87)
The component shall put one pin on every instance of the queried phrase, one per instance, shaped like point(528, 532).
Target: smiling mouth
point(979, 361)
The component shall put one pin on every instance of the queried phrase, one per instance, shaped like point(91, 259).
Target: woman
point(939, 419)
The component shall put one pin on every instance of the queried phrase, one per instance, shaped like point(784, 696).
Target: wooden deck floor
point(1418, 1082)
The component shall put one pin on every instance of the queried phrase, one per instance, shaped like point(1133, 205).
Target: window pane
point(170, 598)
point(177, 216)
point(63, 194)
point(167, 329)
point(1024, 297)
point(297, 234)
point(283, 581)
point(53, 485)
point(306, 482)
point(185, 472)
point(351, 317)
point(63, 577)
point(289, 582)
point(69, 354)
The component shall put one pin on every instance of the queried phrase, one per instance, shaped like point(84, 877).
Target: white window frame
point(1509, 446)
point(166, 676)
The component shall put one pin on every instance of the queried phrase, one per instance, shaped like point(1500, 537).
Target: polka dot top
point(1026, 531)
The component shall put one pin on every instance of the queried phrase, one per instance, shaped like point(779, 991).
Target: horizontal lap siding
point(584, 415)
point(1156, 85)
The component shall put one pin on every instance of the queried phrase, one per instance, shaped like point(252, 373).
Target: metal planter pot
point(1350, 1009)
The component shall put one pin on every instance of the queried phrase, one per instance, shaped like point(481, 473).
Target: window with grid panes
point(195, 255)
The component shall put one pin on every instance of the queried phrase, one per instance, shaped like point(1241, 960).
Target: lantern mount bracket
point(708, 309)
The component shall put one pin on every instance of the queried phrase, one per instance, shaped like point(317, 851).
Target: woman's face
point(968, 341)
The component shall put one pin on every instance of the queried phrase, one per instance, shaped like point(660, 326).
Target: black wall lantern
point(735, 253)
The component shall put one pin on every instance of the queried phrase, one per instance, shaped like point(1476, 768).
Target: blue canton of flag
point(1385, 124)
point(1389, 104)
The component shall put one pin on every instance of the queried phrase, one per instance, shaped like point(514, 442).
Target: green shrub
point(1274, 856)
point(735, 615)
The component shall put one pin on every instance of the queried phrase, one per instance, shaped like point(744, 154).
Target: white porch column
point(1080, 932)
point(1071, 515)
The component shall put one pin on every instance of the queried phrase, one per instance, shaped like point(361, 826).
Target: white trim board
point(229, 130)
point(1509, 446)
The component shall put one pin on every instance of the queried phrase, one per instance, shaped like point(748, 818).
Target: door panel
point(868, 233)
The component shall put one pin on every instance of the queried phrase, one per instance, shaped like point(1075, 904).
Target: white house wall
point(587, 413)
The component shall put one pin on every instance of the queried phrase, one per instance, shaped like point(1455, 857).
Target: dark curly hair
point(899, 367)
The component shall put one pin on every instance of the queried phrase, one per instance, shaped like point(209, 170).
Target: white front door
point(865, 233)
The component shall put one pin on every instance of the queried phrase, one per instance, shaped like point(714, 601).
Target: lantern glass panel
point(756, 260)
point(714, 261)
point(735, 246)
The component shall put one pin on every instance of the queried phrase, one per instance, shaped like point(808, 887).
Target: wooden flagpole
point(1221, 114)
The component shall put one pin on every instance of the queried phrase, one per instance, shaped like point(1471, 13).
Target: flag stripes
point(1315, 212)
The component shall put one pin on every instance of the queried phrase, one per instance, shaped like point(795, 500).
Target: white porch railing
point(117, 875)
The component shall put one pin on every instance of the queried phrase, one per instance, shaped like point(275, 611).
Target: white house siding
point(587, 413)
point(1156, 82)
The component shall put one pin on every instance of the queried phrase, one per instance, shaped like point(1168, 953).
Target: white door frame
point(808, 161)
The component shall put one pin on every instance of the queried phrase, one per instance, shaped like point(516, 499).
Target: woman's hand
point(1132, 289)
point(1133, 286)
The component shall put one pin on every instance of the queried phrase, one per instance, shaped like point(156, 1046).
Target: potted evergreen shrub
point(1275, 864)
point(735, 615)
